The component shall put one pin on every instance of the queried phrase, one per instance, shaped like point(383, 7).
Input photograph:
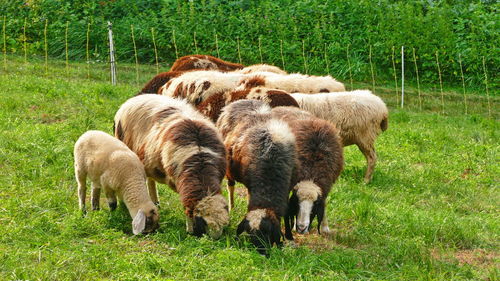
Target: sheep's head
point(210, 216)
point(264, 228)
point(146, 219)
point(306, 203)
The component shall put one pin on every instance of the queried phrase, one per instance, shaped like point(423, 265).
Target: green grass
point(431, 212)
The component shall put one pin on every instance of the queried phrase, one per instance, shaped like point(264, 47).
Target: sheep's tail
point(384, 124)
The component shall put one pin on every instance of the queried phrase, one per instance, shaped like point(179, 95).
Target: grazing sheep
point(261, 155)
point(212, 106)
point(154, 85)
point(111, 165)
point(320, 156)
point(197, 86)
point(360, 117)
point(180, 147)
point(292, 83)
point(203, 62)
point(261, 68)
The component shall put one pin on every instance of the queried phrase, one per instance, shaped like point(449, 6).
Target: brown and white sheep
point(212, 106)
point(292, 83)
point(180, 147)
point(112, 166)
point(261, 155)
point(360, 117)
point(203, 62)
point(154, 85)
point(197, 86)
point(320, 158)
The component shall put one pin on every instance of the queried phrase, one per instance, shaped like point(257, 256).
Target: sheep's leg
point(153, 193)
point(371, 159)
point(111, 196)
point(325, 230)
point(82, 188)
point(95, 196)
point(230, 188)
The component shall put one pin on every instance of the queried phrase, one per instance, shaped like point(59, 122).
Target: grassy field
point(431, 212)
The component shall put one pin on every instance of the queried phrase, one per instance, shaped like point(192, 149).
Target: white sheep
point(261, 68)
point(360, 117)
point(112, 166)
point(292, 83)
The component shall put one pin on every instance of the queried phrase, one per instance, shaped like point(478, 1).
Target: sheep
point(197, 86)
point(203, 62)
point(360, 117)
point(293, 83)
point(182, 148)
point(154, 85)
point(261, 68)
point(320, 156)
point(213, 105)
point(111, 165)
point(261, 155)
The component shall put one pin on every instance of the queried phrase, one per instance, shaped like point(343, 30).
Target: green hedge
point(453, 28)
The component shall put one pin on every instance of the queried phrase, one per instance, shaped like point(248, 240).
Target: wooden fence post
point(463, 82)
point(4, 43)
point(418, 80)
point(304, 55)
point(45, 45)
point(402, 76)
point(486, 84)
point(239, 52)
point(282, 57)
point(156, 52)
point(440, 81)
point(135, 55)
point(326, 61)
point(394, 70)
point(175, 44)
point(24, 43)
point(371, 68)
point(66, 44)
point(87, 52)
point(349, 66)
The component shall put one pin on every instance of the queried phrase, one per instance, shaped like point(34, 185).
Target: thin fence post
point(463, 82)
point(239, 52)
point(4, 43)
point(66, 43)
point(135, 55)
point(418, 80)
point(282, 57)
point(87, 53)
point(304, 55)
point(486, 84)
point(371, 68)
point(175, 44)
point(112, 54)
point(349, 66)
point(156, 52)
point(260, 50)
point(217, 44)
point(326, 61)
point(440, 81)
point(394, 70)
point(24, 43)
point(402, 76)
point(195, 44)
point(45, 45)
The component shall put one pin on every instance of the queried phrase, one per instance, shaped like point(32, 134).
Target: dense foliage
point(326, 30)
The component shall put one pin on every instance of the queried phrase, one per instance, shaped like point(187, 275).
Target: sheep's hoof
point(325, 231)
point(112, 205)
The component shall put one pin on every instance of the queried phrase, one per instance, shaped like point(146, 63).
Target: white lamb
point(360, 117)
point(111, 165)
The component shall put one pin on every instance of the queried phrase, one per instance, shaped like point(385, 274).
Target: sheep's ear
point(242, 226)
point(139, 222)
